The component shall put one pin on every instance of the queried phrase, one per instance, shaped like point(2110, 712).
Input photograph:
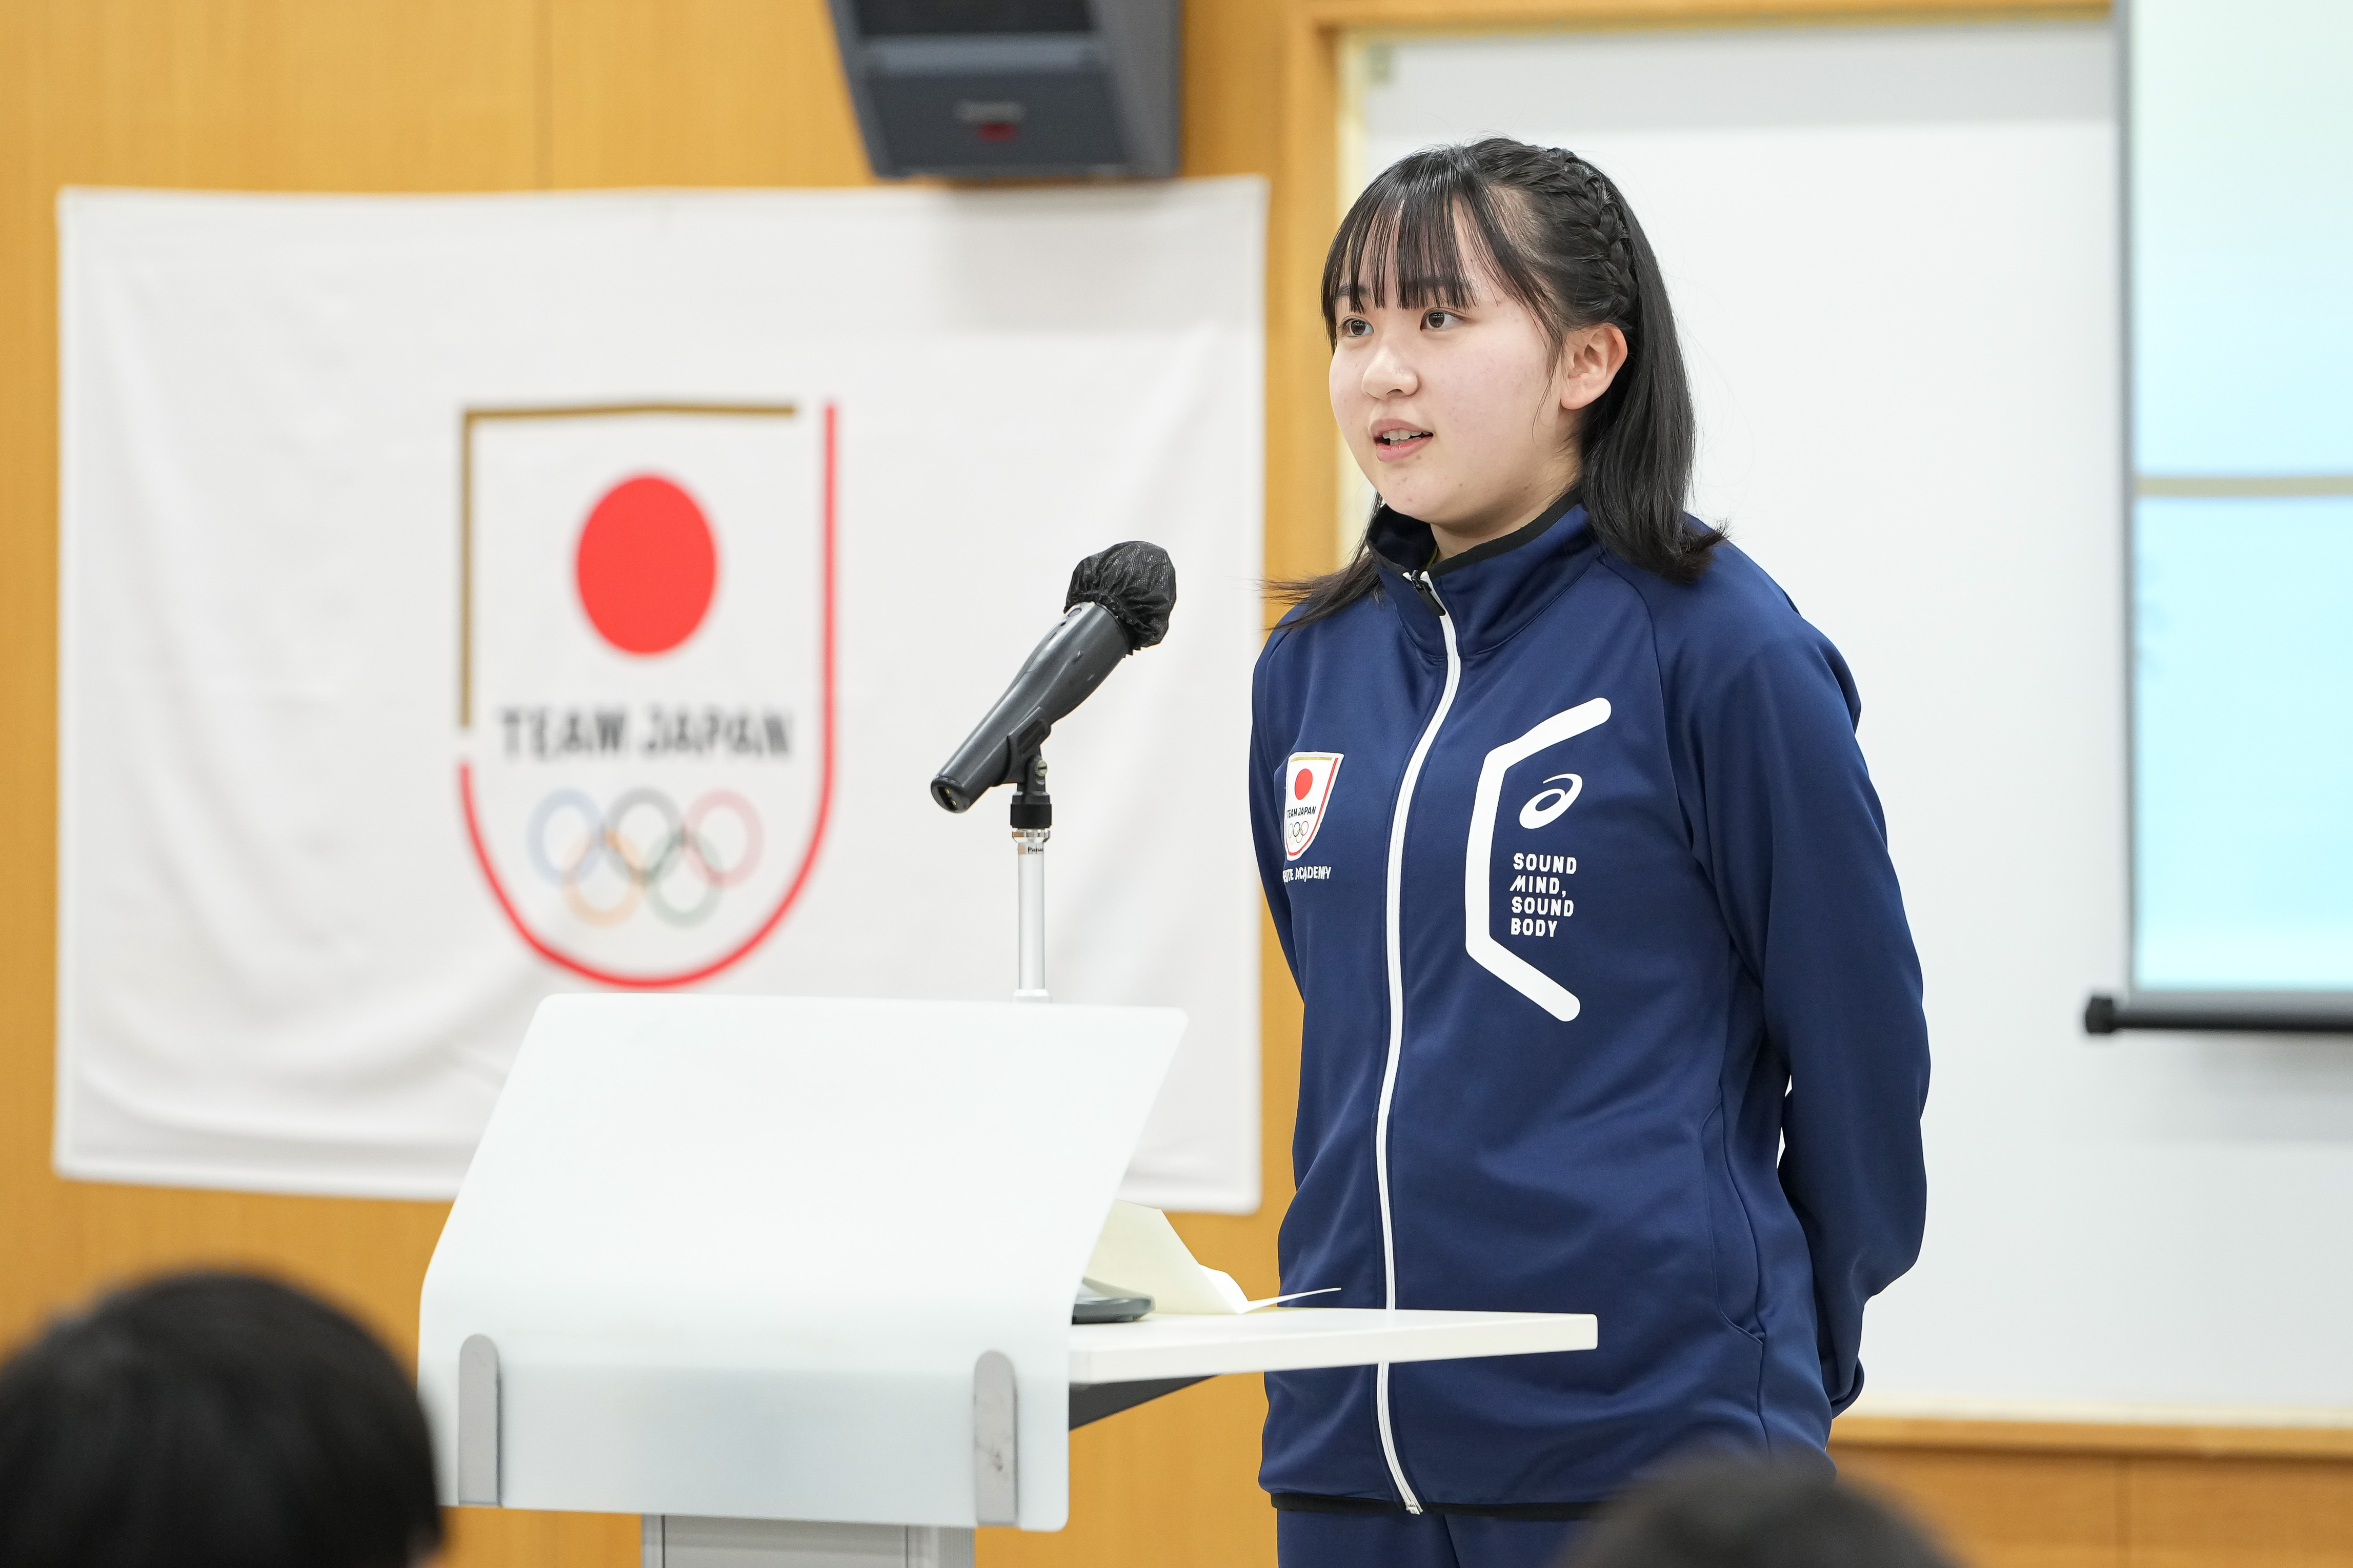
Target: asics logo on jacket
point(1548, 804)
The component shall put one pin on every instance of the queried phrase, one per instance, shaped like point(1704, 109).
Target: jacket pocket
point(1737, 1273)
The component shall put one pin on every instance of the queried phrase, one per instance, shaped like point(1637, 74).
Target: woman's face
point(1464, 416)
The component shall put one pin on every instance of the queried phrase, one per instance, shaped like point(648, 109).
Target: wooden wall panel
point(2005, 1510)
point(699, 92)
point(281, 94)
point(2249, 1513)
point(2032, 1497)
point(1173, 1482)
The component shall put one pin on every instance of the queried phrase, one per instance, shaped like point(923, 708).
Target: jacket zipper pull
point(1420, 581)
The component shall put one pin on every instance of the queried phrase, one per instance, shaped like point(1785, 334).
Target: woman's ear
point(1591, 359)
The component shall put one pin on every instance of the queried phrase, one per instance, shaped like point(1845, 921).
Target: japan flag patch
point(1306, 785)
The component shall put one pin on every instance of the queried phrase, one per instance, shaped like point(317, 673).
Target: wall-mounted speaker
point(1013, 89)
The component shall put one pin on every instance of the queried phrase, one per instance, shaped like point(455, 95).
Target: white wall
point(1894, 254)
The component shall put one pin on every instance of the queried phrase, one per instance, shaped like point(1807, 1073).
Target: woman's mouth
point(1396, 441)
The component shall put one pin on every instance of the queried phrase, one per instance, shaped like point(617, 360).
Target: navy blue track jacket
point(1587, 888)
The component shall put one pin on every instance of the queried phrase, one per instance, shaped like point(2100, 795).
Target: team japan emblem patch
point(1306, 785)
point(646, 673)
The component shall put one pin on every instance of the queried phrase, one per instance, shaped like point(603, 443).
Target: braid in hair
point(1566, 243)
point(1608, 222)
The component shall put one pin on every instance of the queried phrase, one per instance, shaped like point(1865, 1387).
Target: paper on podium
point(738, 1255)
point(1140, 1252)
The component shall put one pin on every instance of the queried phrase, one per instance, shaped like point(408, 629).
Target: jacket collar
point(1490, 591)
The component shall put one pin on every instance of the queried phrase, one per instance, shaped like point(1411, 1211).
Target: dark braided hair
point(1555, 234)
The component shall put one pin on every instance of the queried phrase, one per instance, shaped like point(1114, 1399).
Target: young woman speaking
point(1611, 1006)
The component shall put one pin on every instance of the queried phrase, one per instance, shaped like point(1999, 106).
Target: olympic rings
point(647, 858)
point(592, 837)
point(617, 819)
point(747, 858)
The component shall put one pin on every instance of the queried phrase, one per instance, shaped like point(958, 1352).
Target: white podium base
point(676, 1540)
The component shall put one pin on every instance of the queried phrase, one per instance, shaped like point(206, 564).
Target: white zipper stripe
point(1396, 1027)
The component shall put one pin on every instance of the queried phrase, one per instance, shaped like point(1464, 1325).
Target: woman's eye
point(1439, 320)
point(1354, 327)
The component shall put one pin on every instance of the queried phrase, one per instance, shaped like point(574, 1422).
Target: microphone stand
point(1033, 823)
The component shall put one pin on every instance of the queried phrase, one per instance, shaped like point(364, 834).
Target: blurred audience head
point(1723, 1514)
point(212, 1421)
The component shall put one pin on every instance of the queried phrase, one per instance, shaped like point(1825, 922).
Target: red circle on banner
point(646, 565)
point(1301, 785)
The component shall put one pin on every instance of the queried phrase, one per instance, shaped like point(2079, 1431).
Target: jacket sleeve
point(1796, 846)
point(1266, 806)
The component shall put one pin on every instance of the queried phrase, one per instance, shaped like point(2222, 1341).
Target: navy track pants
point(1417, 1541)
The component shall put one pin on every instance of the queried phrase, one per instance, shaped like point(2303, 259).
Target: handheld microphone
point(1118, 603)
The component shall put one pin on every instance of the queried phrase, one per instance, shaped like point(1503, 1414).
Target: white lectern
point(792, 1277)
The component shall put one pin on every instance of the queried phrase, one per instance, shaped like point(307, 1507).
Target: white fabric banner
point(470, 598)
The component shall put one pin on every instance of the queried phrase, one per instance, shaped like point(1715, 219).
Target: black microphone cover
point(1135, 582)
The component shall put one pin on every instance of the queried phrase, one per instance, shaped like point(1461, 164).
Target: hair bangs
point(1404, 235)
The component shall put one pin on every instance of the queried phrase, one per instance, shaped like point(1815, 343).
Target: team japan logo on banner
point(645, 677)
